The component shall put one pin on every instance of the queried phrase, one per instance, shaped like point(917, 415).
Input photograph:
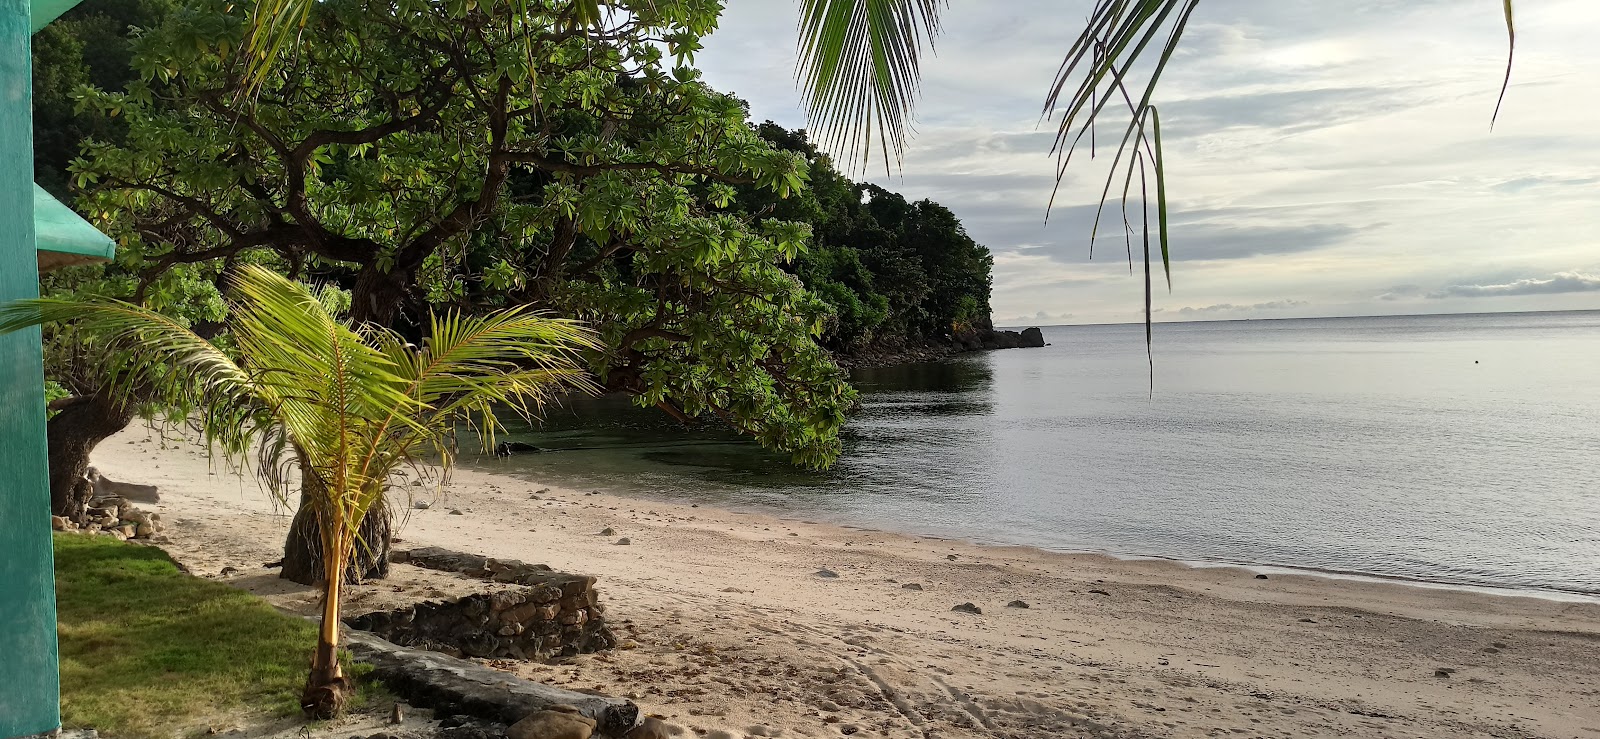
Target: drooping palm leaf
point(860, 69)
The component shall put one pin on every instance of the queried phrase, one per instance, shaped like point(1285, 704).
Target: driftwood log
point(458, 686)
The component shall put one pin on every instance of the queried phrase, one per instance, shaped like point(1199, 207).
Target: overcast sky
point(1320, 162)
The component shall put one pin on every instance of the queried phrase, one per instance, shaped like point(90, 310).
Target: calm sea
point(1450, 449)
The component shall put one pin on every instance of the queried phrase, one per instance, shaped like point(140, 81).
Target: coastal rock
point(59, 523)
point(1017, 604)
point(1098, 591)
point(827, 573)
point(552, 724)
point(1032, 338)
point(911, 586)
point(422, 505)
point(1261, 577)
point(624, 541)
point(608, 531)
point(968, 608)
point(653, 728)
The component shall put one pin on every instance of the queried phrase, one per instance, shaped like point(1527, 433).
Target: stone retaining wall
point(551, 615)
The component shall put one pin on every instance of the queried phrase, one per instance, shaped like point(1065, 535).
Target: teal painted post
point(30, 689)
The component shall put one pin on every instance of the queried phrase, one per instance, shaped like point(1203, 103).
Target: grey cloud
point(1291, 111)
point(1401, 292)
point(1231, 308)
point(1561, 282)
point(1522, 184)
point(1213, 241)
point(1208, 235)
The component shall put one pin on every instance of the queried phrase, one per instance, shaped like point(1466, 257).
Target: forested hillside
point(896, 274)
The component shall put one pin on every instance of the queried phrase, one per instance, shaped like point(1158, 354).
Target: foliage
point(347, 408)
point(888, 269)
point(88, 45)
point(460, 156)
point(147, 651)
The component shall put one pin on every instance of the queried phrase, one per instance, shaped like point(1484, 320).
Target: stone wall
point(550, 615)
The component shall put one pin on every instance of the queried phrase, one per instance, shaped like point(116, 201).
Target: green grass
point(147, 651)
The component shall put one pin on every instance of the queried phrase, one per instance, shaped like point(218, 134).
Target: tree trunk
point(378, 296)
point(81, 422)
point(327, 689)
point(302, 552)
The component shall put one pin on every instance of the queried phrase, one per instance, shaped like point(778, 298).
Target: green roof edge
point(57, 229)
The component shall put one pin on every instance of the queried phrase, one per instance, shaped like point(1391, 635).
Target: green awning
point(63, 238)
point(44, 11)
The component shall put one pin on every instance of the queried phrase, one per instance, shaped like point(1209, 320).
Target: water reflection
point(609, 442)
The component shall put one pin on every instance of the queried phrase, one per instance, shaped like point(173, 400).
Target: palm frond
point(1095, 75)
point(155, 357)
point(860, 70)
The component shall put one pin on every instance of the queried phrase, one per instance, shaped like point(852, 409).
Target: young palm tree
point(349, 406)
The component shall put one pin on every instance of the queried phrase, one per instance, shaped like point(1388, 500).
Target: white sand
point(731, 629)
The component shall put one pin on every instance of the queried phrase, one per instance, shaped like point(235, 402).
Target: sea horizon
point(1020, 326)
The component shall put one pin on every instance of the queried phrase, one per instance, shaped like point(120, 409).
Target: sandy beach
point(727, 624)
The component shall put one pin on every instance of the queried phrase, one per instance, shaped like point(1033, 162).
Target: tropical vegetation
point(891, 272)
point(341, 408)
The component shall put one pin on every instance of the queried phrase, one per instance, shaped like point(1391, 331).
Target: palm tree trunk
point(327, 688)
point(302, 548)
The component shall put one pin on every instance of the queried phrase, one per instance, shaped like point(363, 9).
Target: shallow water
point(1453, 449)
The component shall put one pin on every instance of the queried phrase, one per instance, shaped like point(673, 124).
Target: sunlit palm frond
point(860, 70)
point(471, 365)
point(155, 357)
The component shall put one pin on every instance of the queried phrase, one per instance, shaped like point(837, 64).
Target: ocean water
point(1460, 450)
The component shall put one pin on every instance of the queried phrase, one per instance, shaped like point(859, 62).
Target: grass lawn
point(147, 651)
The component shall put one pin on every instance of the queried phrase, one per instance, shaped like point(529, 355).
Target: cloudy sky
point(1320, 162)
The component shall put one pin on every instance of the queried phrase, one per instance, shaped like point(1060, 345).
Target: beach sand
point(726, 624)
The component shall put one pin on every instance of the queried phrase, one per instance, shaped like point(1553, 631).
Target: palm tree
point(349, 406)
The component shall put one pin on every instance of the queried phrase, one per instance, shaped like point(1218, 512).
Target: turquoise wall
point(30, 700)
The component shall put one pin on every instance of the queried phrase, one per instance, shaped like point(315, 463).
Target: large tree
point(431, 154)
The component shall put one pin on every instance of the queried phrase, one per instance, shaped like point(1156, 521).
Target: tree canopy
point(424, 155)
point(891, 271)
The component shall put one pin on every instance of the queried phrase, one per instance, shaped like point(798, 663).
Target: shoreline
point(478, 464)
point(728, 622)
